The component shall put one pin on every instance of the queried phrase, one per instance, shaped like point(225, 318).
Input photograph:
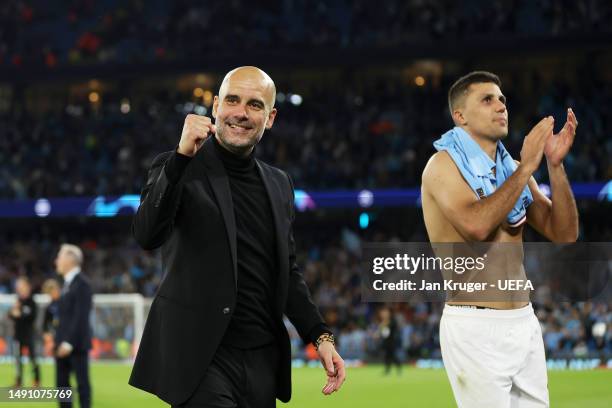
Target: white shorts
point(494, 358)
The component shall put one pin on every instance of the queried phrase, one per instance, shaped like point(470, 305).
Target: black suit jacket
point(193, 222)
point(74, 307)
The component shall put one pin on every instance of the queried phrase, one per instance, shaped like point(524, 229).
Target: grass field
point(366, 387)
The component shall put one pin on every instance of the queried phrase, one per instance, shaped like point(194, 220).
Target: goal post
point(117, 322)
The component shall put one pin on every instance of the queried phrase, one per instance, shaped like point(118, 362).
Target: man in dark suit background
point(214, 335)
point(73, 333)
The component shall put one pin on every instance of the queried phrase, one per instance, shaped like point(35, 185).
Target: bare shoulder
point(439, 167)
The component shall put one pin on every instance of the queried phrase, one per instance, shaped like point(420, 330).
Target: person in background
point(23, 313)
point(388, 332)
point(51, 287)
point(73, 333)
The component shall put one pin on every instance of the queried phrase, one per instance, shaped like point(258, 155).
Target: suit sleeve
point(300, 309)
point(48, 320)
point(159, 200)
point(80, 318)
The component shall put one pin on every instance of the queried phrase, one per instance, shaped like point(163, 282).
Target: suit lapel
point(219, 182)
point(275, 195)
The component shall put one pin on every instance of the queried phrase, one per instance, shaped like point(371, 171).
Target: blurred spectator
point(388, 335)
point(76, 33)
point(332, 273)
point(23, 313)
point(354, 132)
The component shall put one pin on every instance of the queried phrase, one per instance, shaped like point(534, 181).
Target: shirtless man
point(493, 351)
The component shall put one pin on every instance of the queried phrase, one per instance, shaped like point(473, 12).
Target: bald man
point(215, 336)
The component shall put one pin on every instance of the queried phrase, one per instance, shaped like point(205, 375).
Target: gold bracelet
point(325, 337)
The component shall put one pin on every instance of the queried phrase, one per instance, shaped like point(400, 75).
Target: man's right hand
point(195, 131)
point(533, 145)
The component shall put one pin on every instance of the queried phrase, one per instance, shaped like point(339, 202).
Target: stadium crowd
point(331, 270)
point(38, 32)
point(352, 133)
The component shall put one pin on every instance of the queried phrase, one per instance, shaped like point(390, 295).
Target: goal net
point(117, 322)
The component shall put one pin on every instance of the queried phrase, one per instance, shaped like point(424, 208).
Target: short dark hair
point(461, 86)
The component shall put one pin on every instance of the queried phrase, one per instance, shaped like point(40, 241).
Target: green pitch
point(366, 387)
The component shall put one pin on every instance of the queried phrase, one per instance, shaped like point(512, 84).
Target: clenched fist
point(195, 131)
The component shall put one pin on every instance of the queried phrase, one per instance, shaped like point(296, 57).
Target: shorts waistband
point(451, 310)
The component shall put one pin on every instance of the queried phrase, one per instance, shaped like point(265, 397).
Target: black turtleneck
point(252, 324)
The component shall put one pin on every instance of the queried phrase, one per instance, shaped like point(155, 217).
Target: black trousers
point(27, 341)
point(79, 363)
point(391, 358)
point(238, 378)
